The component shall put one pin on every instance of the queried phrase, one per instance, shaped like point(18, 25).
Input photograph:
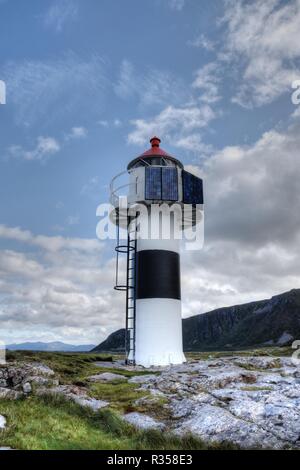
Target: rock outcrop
point(141, 421)
point(17, 379)
point(76, 394)
point(106, 377)
point(249, 402)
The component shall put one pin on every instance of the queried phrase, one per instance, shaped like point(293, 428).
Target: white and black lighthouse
point(159, 194)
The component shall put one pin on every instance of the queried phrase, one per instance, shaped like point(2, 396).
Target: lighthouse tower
point(159, 192)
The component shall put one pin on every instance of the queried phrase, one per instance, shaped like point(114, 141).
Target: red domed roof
point(154, 150)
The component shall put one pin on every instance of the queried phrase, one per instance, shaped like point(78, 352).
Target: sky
point(88, 83)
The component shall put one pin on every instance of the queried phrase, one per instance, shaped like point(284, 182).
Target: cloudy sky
point(88, 83)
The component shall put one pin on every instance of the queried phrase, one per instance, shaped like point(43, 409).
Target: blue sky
point(88, 83)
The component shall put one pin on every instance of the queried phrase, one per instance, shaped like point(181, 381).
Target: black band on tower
point(158, 274)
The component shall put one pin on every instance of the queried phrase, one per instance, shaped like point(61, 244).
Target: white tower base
point(158, 332)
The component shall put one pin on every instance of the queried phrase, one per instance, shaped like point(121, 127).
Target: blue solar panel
point(169, 184)
point(152, 183)
point(192, 188)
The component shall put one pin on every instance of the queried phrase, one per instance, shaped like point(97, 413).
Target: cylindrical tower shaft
point(158, 293)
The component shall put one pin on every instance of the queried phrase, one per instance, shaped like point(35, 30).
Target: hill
point(270, 322)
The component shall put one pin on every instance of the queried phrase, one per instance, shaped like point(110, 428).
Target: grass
point(256, 389)
point(70, 368)
point(282, 351)
point(50, 423)
point(121, 395)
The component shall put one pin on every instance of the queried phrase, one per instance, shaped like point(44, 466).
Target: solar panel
point(152, 183)
point(192, 188)
point(169, 184)
point(161, 184)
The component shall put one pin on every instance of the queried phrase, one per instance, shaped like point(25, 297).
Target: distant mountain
point(53, 346)
point(271, 322)
point(113, 343)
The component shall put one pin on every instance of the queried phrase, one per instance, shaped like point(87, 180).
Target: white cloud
point(193, 143)
point(172, 124)
point(77, 133)
point(125, 86)
point(60, 13)
point(66, 293)
point(296, 113)
point(49, 244)
point(117, 122)
point(45, 147)
point(103, 123)
point(152, 87)
point(252, 230)
point(208, 79)
point(176, 4)
point(263, 38)
point(202, 42)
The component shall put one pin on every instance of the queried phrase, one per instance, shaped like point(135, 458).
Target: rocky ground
point(251, 402)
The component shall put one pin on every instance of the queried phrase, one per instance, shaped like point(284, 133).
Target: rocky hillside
point(275, 321)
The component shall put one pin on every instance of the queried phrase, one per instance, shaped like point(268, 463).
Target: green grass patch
point(51, 423)
point(277, 351)
point(71, 368)
point(121, 395)
point(275, 364)
point(256, 389)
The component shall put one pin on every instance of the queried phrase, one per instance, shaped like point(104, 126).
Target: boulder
point(2, 422)
point(88, 402)
point(106, 377)
point(75, 394)
point(142, 421)
point(27, 387)
point(140, 379)
point(8, 394)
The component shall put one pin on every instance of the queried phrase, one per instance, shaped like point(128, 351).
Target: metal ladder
point(129, 287)
point(131, 296)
